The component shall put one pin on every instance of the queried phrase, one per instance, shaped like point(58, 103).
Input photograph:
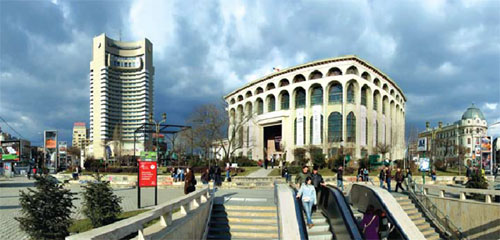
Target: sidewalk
point(261, 173)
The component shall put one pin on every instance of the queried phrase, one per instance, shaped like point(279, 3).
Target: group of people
point(385, 176)
point(266, 162)
point(178, 174)
point(309, 185)
point(212, 173)
point(375, 224)
point(362, 175)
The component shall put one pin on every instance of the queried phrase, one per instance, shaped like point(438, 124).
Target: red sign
point(147, 174)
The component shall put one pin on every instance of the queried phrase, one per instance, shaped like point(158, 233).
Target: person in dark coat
point(301, 177)
point(381, 177)
point(399, 179)
point(340, 178)
point(205, 178)
point(189, 182)
point(317, 179)
point(388, 177)
point(218, 179)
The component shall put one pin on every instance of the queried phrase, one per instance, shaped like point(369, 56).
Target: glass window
point(285, 101)
point(335, 94)
point(271, 105)
point(375, 102)
point(260, 107)
point(350, 93)
point(311, 129)
point(366, 131)
point(351, 127)
point(317, 96)
point(363, 96)
point(300, 98)
point(335, 127)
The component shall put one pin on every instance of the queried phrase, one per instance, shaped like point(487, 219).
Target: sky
point(444, 55)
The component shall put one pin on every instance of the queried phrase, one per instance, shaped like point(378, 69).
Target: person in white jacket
point(308, 194)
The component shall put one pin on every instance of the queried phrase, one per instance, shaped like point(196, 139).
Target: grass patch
point(247, 171)
point(83, 225)
point(275, 173)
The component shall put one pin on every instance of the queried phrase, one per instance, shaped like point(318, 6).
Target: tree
point(74, 152)
point(383, 148)
point(317, 156)
point(46, 211)
point(100, 204)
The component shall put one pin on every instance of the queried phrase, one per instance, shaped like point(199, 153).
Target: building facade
point(332, 103)
point(80, 138)
point(443, 141)
point(121, 91)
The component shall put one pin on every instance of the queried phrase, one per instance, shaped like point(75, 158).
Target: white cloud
point(491, 106)
point(447, 68)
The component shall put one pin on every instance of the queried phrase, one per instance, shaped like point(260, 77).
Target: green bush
point(317, 156)
point(244, 162)
point(46, 211)
point(300, 156)
point(478, 181)
point(100, 204)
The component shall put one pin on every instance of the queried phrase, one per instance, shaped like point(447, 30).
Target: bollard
point(166, 219)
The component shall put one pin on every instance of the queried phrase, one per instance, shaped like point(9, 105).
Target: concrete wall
point(478, 220)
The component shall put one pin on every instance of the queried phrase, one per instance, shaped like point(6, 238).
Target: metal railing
point(299, 210)
point(441, 220)
point(277, 202)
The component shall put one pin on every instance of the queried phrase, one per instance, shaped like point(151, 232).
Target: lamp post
point(157, 131)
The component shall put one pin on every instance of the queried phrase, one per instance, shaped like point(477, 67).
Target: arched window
point(248, 94)
point(317, 96)
point(334, 72)
point(366, 76)
point(299, 78)
point(249, 109)
point(259, 90)
point(335, 93)
point(240, 98)
point(335, 127)
point(300, 98)
point(350, 94)
point(270, 86)
point(260, 106)
point(271, 103)
point(232, 101)
point(295, 130)
point(284, 82)
point(352, 70)
point(375, 101)
point(364, 95)
point(315, 75)
point(285, 101)
point(311, 130)
point(376, 82)
point(351, 127)
point(376, 132)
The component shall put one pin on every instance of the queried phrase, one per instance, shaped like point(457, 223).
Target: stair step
point(411, 211)
point(243, 227)
point(419, 221)
point(434, 236)
point(319, 228)
point(245, 213)
point(320, 235)
point(242, 234)
point(429, 231)
point(231, 220)
point(245, 208)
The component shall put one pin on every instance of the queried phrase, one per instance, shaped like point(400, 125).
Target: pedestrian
point(360, 174)
point(388, 177)
point(317, 179)
point(408, 177)
point(370, 223)
point(365, 174)
point(272, 161)
point(340, 178)
point(211, 173)
point(308, 195)
point(266, 161)
point(495, 171)
point(205, 177)
point(189, 182)
point(183, 174)
point(285, 174)
point(433, 175)
point(228, 172)
point(218, 179)
point(381, 177)
point(399, 179)
point(468, 173)
point(301, 177)
point(385, 227)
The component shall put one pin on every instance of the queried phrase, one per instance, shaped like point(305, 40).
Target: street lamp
point(157, 131)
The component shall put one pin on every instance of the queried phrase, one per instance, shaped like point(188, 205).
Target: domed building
point(338, 103)
point(444, 141)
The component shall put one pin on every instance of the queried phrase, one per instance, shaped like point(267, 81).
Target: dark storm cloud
point(443, 54)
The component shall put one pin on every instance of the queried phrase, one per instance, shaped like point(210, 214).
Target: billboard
point(147, 174)
point(486, 144)
point(50, 139)
point(63, 146)
point(424, 164)
point(51, 149)
point(11, 150)
point(148, 156)
point(422, 144)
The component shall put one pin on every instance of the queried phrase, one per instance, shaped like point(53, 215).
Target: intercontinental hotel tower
point(121, 93)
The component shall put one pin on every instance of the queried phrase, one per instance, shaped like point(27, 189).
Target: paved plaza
point(10, 208)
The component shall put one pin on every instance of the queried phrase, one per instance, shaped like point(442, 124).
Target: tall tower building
point(79, 135)
point(121, 92)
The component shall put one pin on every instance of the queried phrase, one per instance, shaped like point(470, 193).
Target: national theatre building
point(329, 103)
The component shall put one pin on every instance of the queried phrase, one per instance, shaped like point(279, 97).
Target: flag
point(276, 69)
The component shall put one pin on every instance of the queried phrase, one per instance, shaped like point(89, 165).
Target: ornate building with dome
point(443, 141)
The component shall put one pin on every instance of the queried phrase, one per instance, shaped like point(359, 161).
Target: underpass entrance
point(272, 141)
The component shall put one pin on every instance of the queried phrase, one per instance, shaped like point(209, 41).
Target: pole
point(138, 177)
point(157, 157)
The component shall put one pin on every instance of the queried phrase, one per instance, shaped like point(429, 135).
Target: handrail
point(488, 194)
point(277, 202)
point(441, 220)
point(164, 212)
point(343, 207)
point(298, 213)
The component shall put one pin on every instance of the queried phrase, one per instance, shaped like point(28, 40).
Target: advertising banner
point(362, 129)
point(424, 164)
point(63, 146)
point(300, 127)
point(486, 144)
point(316, 138)
point(422, 144)
point(148, 156)
point(147, 173)
point(50, 139)
point(10, 151)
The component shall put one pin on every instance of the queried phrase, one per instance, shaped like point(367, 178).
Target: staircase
point(243, 222)
point(321, 228)
point(416, 216)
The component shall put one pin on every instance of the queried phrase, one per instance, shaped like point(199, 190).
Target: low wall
point(477, 219)
point(181, 218)
point(289, 224)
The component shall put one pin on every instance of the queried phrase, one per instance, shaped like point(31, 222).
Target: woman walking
point(308, 194)
point(189, 182)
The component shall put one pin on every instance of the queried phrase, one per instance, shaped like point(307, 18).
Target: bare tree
point(383, 149)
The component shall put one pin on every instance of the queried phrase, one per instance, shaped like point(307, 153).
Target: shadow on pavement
point(17, 185)
point(10, 207)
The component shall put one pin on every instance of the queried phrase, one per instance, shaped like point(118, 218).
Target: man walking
point(399, 180)
point(317, 179)
point(381, 177)
point(301, 177)
point(388, 177)
point(340, 178)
